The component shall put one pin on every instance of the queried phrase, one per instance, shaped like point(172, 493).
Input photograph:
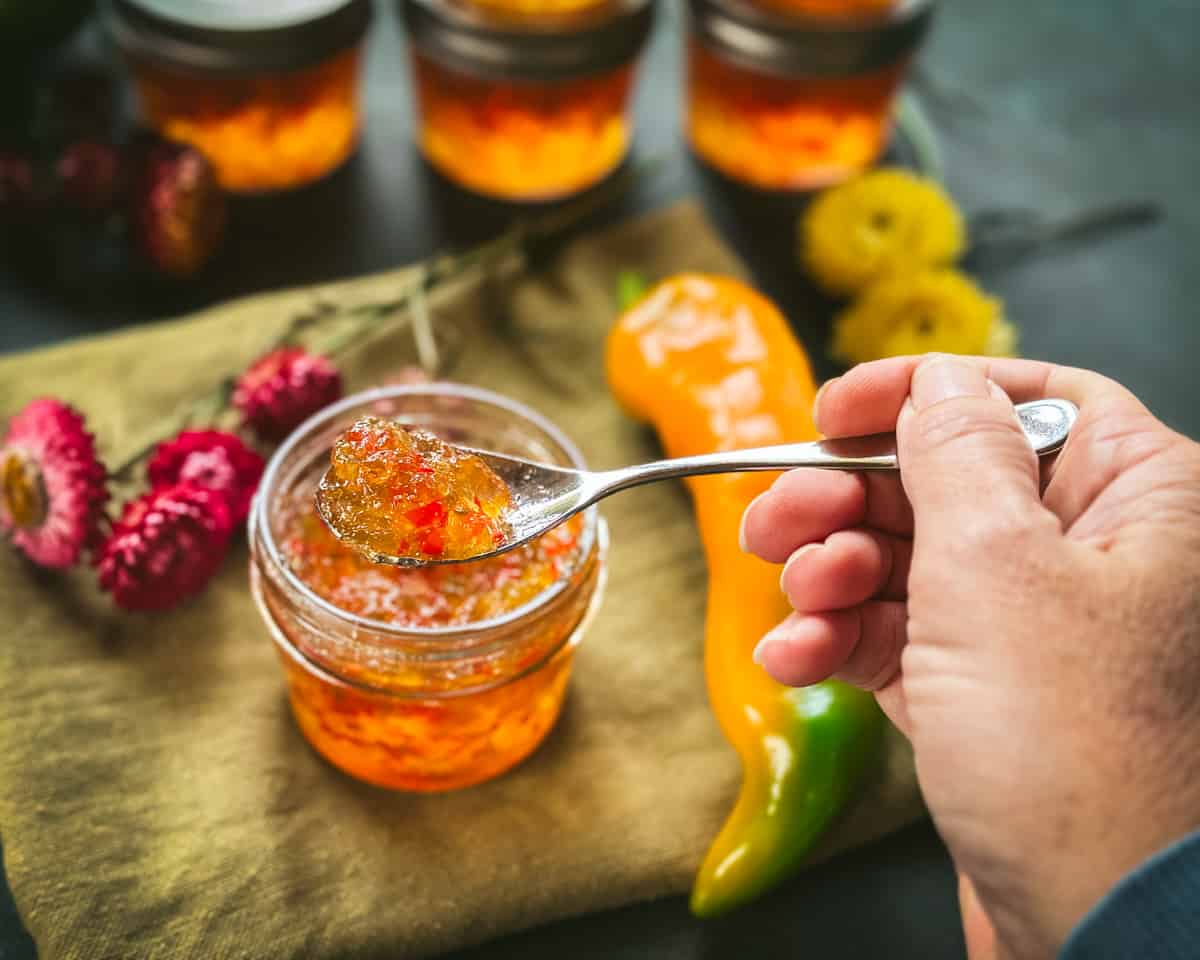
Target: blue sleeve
point(1151, 914)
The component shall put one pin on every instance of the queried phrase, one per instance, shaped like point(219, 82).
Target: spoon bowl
point(543, 496)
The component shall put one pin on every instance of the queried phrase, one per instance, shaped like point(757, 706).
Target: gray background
point(1056, 107)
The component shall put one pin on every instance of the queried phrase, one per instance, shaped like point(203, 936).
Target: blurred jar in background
point(267, 90)
point(829, 8)
point(525, 108)
point(796, 101)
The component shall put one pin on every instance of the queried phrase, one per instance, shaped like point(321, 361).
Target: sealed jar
point(267, 90)
point(524, 108)
point(422, 679)
point(796, 101)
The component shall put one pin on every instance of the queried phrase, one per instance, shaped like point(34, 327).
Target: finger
point(960, 446)
point(894, 704)
point(806, 506)
point(1114, 447)
point(848, 569)
point(869, 397)
point(861, 646)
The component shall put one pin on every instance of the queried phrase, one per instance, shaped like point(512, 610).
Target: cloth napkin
point(156, 798)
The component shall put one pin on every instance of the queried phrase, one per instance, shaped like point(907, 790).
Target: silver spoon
point(543, 496)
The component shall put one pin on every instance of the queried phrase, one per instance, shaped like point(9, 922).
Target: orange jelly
point(428, 678)
point(395, 492)
point(267, 93)
point(525, 108)
point(790, 102)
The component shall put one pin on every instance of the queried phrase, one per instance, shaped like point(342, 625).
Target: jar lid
point(233, 35)
point(806, 45)
point(494, 46)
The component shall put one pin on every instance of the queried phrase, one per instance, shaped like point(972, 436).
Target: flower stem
point(368, 318)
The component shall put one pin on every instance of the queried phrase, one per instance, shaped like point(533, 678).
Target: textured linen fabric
point(156, 798)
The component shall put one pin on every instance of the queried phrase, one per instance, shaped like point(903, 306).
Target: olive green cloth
point(156, 799)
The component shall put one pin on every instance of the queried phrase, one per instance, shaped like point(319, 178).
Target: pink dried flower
point(283, 389)
point(167, 545)
point(209, 458)
point(52, 485)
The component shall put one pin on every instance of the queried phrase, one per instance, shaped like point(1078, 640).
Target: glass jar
point(267, 90)
point(795, 102)
point(829, 8)
point(386, 681)
point(520, 108)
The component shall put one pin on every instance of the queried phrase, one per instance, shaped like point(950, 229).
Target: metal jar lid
point(806, 45)
point(494, 46)
point(233, 36)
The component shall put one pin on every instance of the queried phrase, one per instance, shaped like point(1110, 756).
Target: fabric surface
point(156, 798)
point(1151, 914)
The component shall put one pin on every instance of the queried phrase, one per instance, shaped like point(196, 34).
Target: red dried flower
point(52, 485)
point(166, 546)
point(178, 214)
point(213, 459)
point(283, 389)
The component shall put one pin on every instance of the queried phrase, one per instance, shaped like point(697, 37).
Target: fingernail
point(742, 524)
point(768, 639)
point(796, 555)
point(945, 377)
point(817, 402)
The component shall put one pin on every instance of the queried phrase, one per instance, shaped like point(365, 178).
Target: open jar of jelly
point(433, 678)
point(796, 101)
point(267, 90)
point(525, 108)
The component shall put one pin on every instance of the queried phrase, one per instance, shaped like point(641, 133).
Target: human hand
point(1035, 633)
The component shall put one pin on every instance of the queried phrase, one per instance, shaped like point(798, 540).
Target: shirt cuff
point(1153, 913)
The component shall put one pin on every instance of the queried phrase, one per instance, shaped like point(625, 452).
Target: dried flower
point(283, 389)
point(166, 547)
point(209, 458)
point(178, 212)
point(52, 485)
point(937, 310)
point(884, 222)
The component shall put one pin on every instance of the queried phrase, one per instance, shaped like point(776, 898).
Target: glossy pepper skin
point(712, 365)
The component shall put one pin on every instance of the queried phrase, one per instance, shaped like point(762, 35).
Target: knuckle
point(980, 419)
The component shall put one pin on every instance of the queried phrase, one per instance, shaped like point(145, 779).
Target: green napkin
point(156, 798)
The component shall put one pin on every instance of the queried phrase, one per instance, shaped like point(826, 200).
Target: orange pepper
point(712, 365)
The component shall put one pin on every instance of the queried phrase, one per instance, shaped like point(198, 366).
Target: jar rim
point(262, 537)
point(494, 46)
point(145, 30)
point(800, 45)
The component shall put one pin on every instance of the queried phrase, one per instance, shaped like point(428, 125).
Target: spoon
point(543, 496)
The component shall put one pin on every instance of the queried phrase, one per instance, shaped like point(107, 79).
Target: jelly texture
point(394, 722)
point(261, 131)
point(445, 595)
point(523, 140)
point(395, 492)
point(787, 133)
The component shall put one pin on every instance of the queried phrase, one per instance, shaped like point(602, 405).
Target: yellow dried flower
point(883, 222)
point(935, 310)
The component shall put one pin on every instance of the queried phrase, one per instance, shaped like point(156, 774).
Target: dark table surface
point(1053, 107)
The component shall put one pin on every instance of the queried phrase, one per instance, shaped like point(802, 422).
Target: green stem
point(430, 274)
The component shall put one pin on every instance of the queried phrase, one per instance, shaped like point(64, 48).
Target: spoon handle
point(1045, 423)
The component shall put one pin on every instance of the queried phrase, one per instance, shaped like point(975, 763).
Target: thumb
point(964, 460)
